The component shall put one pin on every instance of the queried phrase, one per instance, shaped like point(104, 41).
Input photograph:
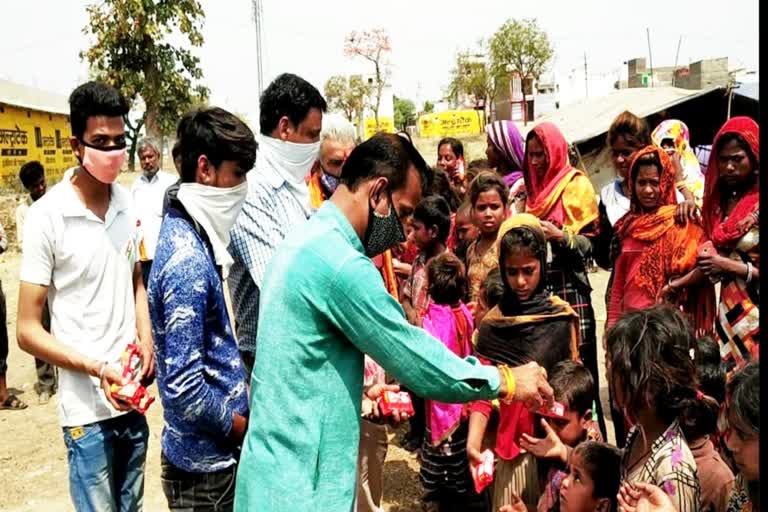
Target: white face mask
point(292, 159)
point(216, 210)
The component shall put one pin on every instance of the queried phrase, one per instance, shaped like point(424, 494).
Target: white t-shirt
point(87, 265)
point(148, 204)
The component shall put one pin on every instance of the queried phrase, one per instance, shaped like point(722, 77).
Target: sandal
point(13, 403)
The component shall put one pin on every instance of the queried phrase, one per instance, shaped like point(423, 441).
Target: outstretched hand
point(643, 497)
point(549, 447)
point(372, 394)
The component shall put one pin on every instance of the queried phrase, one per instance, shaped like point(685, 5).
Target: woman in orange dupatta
point(563, 198)
point(658, 255)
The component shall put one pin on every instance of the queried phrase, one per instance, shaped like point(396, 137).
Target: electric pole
point(650, 55)
point(677, 54)
point(586, 76)
point(258, 21)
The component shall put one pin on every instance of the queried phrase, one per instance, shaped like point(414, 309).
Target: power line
point(258, 14)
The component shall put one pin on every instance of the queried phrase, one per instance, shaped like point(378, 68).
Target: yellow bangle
point(509, 379)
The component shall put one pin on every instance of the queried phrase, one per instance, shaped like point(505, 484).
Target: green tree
point(136, 48)
point(373, 46)
point(347, 95)
point(520, 46)
point(474, 77)
point(405, 113)
point(428, 107)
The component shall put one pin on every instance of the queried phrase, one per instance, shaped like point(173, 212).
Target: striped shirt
point(270, 211)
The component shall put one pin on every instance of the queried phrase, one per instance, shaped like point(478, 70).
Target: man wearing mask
point(323, 306)
point(337, 140)
point(32, 176)
point(199, 373)
point(291, 114)
point(80, 254)
point(148, 192)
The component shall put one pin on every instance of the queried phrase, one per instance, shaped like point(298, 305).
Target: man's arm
point(143, 326)
point(35, 340)
point(184, 388)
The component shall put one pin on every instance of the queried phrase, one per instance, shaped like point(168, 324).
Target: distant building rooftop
point(23, 96)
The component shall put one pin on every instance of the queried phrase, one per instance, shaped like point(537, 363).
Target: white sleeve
point(38, 248)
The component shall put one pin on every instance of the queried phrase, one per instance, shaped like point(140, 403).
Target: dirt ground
point(33, 465)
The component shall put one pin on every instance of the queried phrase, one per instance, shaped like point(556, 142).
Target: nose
point(566, 483)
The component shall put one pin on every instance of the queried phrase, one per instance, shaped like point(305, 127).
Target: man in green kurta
point(323, 305)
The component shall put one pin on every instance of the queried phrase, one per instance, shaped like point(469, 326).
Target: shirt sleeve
point(37, 259)
point(256, 234)
point(183, 387)
point(360, 307)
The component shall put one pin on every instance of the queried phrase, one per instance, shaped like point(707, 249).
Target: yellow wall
point(386, 124)
point(451, 123)
point(31, 135)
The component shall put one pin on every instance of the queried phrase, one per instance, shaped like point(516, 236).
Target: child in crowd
point(488, 196)
point(444, 465)
point(591, 482)
point(743, 438)
point(573, 387)
point(430, 227)
point(429, 231)
point(715, 477)
point(650, 370)
point(464, 231)
point(529, 324)
point(491, 292)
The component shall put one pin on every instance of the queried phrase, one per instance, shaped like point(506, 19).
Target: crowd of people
point(356, 270)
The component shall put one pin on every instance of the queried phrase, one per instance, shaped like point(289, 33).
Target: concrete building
point(699, 75)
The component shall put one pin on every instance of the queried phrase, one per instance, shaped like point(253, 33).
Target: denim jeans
point(198, 492)
point(106, 464)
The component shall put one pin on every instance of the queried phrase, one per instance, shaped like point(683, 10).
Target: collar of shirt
point(72, 206)
point(155, 177)
point(335, 215)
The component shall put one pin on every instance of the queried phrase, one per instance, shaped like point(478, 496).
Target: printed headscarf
point(678, 132)
point(508, 142)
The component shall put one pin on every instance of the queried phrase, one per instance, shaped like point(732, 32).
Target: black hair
point(217, 134)
point(441, 186)
point(744, 401)
point(573, 385)
point(741, 142)
point(447, 281)
point(456, 146)
point(486, 181)
point(291, 96)
point(434, 211)
point(94, 99)
point(603, 464)
point(176, 150)
point(31, 172)
point(492, 288)
point(478, 163)
point(651, 363)
point(633, 129)
point(520, 239)
point(709, 368)
point(646, 159)
point(385, 155)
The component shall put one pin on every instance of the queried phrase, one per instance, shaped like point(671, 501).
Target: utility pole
point(258, 14)
point(586, 76)
point(677, 54)
point(650, 55)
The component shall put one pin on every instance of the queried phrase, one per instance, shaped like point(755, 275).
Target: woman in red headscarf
point(730, 211)
point(658, 256)
point(563, 198)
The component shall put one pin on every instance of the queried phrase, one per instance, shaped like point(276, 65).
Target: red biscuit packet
point(556, 410)
point(482, 474)
point(390, 401)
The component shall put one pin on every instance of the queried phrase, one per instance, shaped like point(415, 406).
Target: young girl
point(565, 201)
point(488, 196)
point(744, 437)
point(529, 324)
point(592, 482)
point(444, 466)
point(650, 370)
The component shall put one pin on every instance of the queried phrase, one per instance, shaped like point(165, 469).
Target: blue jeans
point(106, 464)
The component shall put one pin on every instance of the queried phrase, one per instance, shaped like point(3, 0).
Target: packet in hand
point(556, 410)
point(391, 401)
point(707, 249)
point(132, 392)
point(482, 474)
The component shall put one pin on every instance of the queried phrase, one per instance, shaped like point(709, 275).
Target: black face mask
point(383, 232)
